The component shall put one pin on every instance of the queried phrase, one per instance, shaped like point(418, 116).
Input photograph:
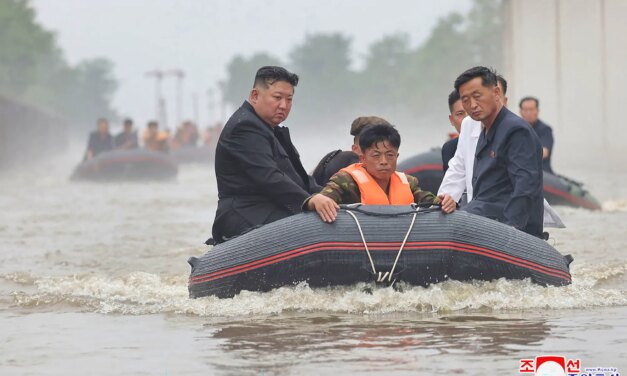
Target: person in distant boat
point(186, 136)
point(211, 134)
point(258, 170)
point(457, 114)
point(338, 159)
point(127, 139)
point(529, 110)
point(154, 139)
point(100, 140)
point(374, 181)
point(507, 171)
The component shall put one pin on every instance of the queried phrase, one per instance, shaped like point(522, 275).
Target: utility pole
point(196, 109)
point(211, 106)
point(160, 114)
point(179, 75)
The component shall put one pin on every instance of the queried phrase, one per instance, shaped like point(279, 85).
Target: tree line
point(409, 81)
point(34, 71)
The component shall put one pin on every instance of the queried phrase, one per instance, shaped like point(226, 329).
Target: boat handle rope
point(380, 277)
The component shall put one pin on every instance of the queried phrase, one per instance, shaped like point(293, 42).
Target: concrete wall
point(572, 55)
point(28, 134)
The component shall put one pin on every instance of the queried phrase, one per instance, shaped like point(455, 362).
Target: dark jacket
point(332, 163)
point(448, 152)
point(259, 174)
point(507, 176)
point(122, 138)
point(545, 133)
point(99, 144)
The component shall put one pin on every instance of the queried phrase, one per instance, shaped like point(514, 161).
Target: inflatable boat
point(558, 190)
point(380, 244)
point(138, 164)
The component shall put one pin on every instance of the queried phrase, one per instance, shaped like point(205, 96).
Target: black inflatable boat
point(558, 190)
point(418, 246)
point(138, 164)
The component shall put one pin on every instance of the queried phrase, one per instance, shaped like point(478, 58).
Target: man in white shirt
point(458, 177)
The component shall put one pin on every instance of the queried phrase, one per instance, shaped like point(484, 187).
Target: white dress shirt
point(458, 177)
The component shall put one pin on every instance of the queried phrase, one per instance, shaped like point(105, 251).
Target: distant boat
point(558, 190)
point(127, 165)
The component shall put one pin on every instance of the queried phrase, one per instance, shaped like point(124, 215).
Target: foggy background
point(63, 64)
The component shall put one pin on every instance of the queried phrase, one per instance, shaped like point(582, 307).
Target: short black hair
point(452, 98)
point(488, 77)
point(268, 75)
point(503, 83)
point(374, 134)
point(529, 99)
point(128, 121)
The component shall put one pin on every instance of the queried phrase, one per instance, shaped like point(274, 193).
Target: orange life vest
point(371, 192)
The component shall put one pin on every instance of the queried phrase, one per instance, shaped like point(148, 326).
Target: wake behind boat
point(135, 164)
point(417, 246)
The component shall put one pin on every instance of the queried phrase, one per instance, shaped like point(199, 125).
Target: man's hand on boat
point(327, 207)
point(447, 203)
point(324, 206)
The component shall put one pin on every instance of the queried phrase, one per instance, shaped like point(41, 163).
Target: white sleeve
point(551, 218)
point(454, 182)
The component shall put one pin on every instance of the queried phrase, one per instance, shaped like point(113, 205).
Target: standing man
point(100, 140)
point(507, 174)
point(529, 110)
point(457, 115)
point(258, 170)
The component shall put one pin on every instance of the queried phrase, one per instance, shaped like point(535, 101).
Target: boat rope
point(363, 239)
point(398, 255)
point(382, 276)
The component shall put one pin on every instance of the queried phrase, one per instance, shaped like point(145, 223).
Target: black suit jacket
point(259, 174)
point(448, 152)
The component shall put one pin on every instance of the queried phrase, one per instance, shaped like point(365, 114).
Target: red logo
point(549, 365)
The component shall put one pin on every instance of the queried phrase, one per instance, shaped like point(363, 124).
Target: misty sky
point(201, 36)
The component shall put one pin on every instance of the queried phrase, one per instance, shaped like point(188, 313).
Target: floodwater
point(93, 281)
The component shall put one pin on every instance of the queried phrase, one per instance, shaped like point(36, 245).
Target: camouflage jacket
point(343, 189)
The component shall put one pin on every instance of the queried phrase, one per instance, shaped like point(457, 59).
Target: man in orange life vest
point(374, 181)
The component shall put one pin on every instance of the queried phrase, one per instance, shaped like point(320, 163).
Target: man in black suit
point(507, 175)
point(529, 110)
point(258, 170)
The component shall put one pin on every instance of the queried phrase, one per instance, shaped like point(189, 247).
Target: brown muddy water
point(93, 280)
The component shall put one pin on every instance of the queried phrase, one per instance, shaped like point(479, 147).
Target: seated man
point(258, 170)
point(154, 139)
point(100, 140)
point(507, 170)
point(375, 180)
point(338, 159)
point(127, 139)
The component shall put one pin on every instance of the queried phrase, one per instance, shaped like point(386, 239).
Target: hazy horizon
point(143, 35)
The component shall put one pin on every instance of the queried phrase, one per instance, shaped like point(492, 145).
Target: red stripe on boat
point(380, 246)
